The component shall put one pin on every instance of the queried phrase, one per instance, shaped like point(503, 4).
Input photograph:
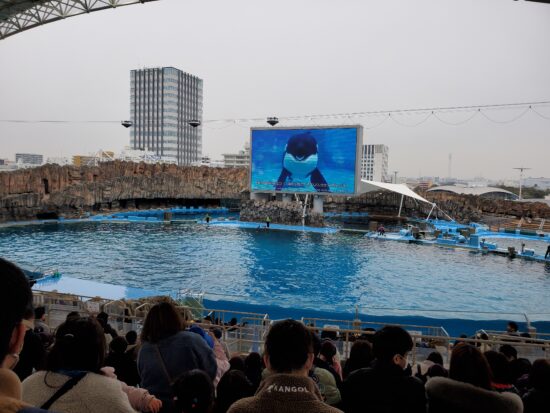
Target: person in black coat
point(123, 363)
point(386, 386)
point(537, 400)
point(32, 355)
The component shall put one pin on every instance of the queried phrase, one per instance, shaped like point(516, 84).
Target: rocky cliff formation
point(53, 190)
point(288, 213)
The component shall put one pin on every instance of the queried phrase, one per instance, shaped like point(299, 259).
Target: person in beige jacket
point(76, 358)
point(289, 357)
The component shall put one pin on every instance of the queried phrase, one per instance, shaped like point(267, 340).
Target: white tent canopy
point(402, 189)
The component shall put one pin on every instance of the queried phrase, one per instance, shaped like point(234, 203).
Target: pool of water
point(300, 270)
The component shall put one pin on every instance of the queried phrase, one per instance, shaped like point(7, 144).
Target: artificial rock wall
point(70, 191)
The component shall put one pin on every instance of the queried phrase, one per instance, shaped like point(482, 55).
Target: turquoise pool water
point(327, 272)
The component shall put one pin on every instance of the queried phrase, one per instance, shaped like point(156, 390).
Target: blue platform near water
point(281, 227)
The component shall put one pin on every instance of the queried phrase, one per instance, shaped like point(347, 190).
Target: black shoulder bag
point(69, 384)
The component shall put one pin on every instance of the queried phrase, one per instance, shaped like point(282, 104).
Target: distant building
point(58, 160)
point(237, 160)
point(162, 102)
point(374, 163)
point(29, 159)
point(484, 192)
point(540, 183)
point(94, 159)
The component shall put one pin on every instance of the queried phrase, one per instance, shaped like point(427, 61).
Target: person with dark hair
point(15, 302)
point(193, 393)
point(133, 347)
point(289, 357)
point(468, 388)
point(72, 315)
point(33, 354)
point(110, 332)
point(320, 360)
point(218, 335)
point(431, 367)
point(253, 368)
point(360, 356)
point(167, 352)
point(40, 325)
point(237, 363)
point(520, 374)
point(123, 363)
point(329, 354)
point(385, 387)
point(509, 352)
point(234, 385)
point(72, 381)
point(512, 328)
point(501, 372)
point(537, 400)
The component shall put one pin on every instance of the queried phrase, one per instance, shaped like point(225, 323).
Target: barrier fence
point(249, 333)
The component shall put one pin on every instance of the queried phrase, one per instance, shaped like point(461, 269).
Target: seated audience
point(537, 400)
point(501, 372)
point(512, 328)
point(289, 357)
point(237, 363)
point(520, 374)
point(33, 354)
point(110, 332)
point(233, 386)
point(167, 352)
point(321, 362)
point(509, 351)
point(72, 315)
point(140, 399)
point(253, 368)
point(15, 301)
point(194, 393)
point(360, 356)
point(40, 325)
point(72, 381)
point(468, 388)
point(123, 363)
point(386, 386)
point(329, 354)
point(133, 347)
point(431, 367)
point(218, 334)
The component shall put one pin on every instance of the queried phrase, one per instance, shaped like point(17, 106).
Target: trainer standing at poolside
point(267, 221)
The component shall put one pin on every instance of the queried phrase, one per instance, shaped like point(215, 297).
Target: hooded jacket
point(451, 396)
point(284, 393)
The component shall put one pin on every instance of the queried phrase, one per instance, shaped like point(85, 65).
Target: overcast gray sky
point(291, 57)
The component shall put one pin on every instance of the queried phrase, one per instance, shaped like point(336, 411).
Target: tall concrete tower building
point(162, 102)
point(374, 163)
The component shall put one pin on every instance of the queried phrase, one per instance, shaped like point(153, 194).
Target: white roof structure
point(402, 189)
point(479, 191)
point(17, 16)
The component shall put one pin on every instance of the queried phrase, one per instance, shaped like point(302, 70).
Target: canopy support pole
point(431, 210)
point(401, 205)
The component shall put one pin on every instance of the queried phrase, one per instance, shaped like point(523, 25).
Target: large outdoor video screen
point(300, 160)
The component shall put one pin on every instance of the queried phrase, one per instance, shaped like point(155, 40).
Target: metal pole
point(401, 205)
point(431, 210)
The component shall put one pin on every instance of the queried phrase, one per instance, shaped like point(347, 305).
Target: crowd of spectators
point(85, 365)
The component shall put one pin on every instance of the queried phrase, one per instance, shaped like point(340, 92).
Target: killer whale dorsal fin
point(318, 181)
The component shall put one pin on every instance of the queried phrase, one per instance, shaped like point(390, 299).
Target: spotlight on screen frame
point(194, 123)
point(273, 120)
point(126, 123)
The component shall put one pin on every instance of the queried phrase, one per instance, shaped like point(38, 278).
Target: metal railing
point(249, 334)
